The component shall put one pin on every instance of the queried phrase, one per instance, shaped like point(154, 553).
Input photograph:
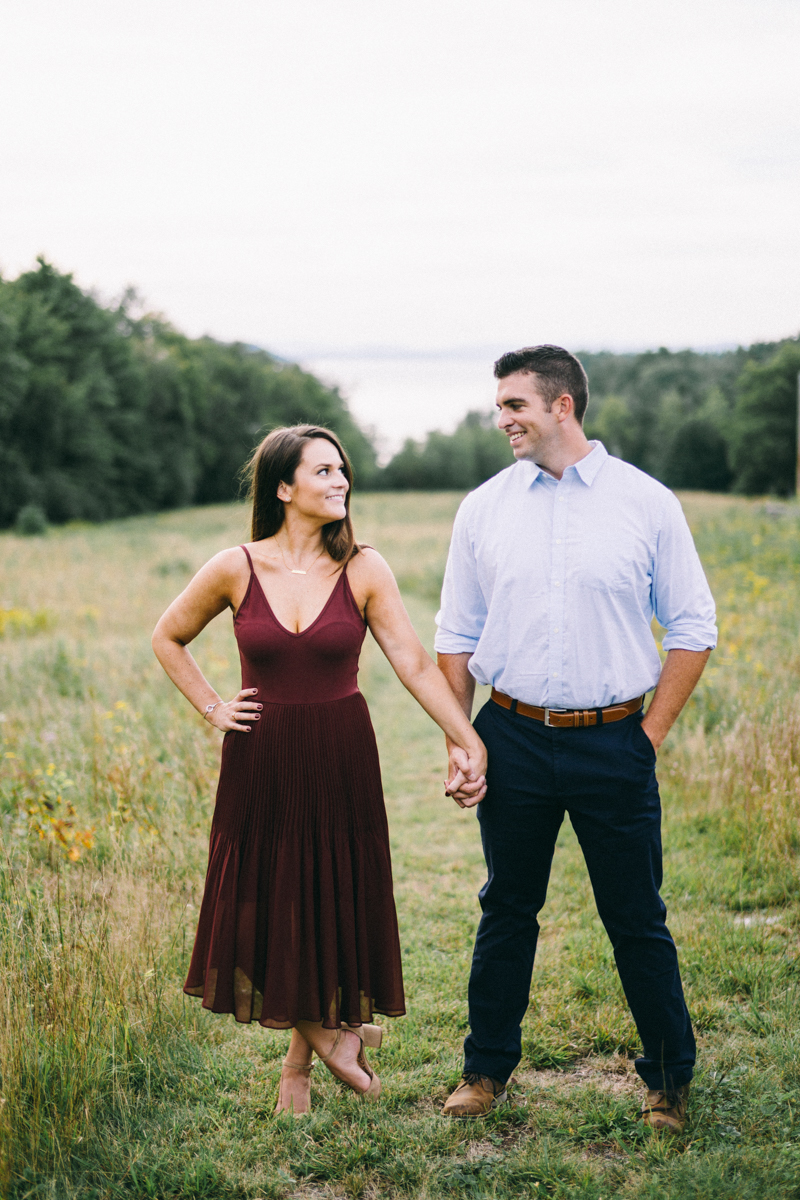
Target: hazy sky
point(323, 175)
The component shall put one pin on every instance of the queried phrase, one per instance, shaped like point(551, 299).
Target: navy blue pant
point(604, 777)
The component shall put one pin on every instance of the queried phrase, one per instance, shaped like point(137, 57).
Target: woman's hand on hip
point(228, 714)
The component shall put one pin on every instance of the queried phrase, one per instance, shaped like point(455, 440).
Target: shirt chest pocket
point(610, 563)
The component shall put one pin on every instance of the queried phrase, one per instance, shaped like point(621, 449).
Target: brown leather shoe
point(475, 1096)
point(666, 1110)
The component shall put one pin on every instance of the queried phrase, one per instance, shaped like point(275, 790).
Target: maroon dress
point(298, 919)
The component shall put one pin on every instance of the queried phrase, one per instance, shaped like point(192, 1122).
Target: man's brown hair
point(557, 372)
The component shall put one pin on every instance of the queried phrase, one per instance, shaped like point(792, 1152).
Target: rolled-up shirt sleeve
point(682, 599)
point(462, 616)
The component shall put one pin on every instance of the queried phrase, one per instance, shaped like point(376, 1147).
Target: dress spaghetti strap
point(249, 559)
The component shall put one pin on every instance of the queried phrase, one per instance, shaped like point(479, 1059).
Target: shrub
point(31, 521)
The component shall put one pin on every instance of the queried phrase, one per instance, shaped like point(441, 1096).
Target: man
point(556, 567)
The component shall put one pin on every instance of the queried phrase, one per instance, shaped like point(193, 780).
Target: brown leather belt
point(570, 718)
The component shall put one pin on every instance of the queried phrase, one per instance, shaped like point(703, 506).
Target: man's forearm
point(455, 668)
point(679, 677)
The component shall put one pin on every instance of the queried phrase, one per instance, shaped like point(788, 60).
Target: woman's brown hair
point(273, 462)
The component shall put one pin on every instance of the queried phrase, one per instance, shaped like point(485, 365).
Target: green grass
point(115, 1085)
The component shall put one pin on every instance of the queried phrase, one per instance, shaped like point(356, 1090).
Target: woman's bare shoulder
point(370, 574)
point(368, 563)
point(226, 567)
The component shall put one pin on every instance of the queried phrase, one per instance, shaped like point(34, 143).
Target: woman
point(298, 927)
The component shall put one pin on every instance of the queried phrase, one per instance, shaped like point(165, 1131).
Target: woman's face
point(320, 484)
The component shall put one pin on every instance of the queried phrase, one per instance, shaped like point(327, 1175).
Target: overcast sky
point(326, 175)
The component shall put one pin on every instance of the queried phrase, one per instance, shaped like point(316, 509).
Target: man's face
point(523, 416)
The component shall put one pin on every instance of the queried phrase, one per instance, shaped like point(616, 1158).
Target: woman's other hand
point(466, 781)
point(228, 714)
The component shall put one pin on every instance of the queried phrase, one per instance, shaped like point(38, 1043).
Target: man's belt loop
point(513, 706)
point(599, 712)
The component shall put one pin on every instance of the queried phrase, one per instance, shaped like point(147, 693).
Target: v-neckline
point(318, 617)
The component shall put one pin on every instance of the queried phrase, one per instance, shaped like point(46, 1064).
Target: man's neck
point(555, 459)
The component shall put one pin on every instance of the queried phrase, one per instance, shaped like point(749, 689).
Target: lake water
point(402, 397)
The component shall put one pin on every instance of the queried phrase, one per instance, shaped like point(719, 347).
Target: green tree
point(764, 427)
point(609, 420)
point(102, 415)
point(653, 395)
point(474, 452)
point(697, 458)
point(74, 394)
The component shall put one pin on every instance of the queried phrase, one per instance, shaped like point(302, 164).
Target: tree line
point(105, 414)
point(709, 422)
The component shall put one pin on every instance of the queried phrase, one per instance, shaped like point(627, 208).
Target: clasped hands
point(466, 781)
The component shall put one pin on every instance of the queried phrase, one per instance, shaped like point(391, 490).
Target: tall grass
point(115, 1085)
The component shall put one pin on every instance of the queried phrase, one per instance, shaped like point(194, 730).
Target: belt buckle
point(547, 712)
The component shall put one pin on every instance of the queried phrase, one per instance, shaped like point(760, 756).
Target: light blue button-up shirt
point(551, 585)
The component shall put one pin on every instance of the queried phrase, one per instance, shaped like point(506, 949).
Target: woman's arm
point(392, 629)
point(209, 593)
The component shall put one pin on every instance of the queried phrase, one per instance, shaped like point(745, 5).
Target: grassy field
point(115, 1085)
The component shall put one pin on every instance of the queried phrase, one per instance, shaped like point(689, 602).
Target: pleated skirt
point(298, 919)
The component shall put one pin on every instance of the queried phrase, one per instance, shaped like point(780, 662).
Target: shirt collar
point(587, 468)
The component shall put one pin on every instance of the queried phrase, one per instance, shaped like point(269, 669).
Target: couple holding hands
point(556, 568)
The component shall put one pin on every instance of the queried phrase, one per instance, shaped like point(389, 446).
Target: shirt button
point(561, 498)
point(556, 584)
point(556, 629)
point(558, 541)
point(555, 674)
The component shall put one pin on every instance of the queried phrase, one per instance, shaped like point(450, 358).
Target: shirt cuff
point(690, 639)
point(447, 642)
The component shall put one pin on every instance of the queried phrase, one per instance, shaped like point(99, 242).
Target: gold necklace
point(293, 570)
